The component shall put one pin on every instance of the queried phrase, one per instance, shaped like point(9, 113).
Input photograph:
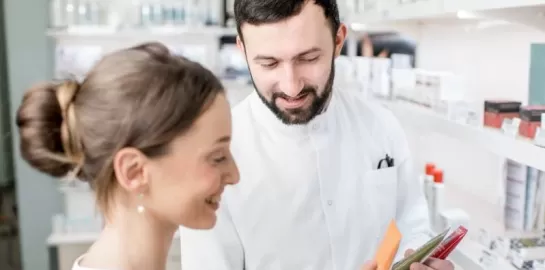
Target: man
point(323, 171)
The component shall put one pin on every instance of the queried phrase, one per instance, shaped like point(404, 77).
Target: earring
point(140, 207)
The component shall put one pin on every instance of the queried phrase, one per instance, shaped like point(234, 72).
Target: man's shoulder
point(370, 111)
point(241, 111)
point(242, 123)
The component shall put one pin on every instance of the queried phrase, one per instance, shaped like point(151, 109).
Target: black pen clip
point(387, 160)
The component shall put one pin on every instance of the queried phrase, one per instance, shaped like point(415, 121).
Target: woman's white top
point(312, 196)
point(77, 267)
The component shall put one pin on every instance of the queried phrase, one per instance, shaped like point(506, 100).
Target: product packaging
point(428, 180)
point(527, 252)
point(389, 246)
point(436, 199)
point(531, 120)
point(422, 253)
point(438, 247)
point(449, 244)
point(496, 111)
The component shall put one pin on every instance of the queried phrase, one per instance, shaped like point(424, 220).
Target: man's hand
point(372, 265)
point(431, 263)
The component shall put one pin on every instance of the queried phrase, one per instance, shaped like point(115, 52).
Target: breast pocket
point(382, 190)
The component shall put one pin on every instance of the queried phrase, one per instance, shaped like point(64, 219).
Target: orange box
point(388, 248)
point(531, 120)
point(495, 111)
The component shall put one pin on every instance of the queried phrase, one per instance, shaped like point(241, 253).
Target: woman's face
point(185, 186)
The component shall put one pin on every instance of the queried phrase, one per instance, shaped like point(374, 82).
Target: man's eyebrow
point(266, 57)
point(311, 50)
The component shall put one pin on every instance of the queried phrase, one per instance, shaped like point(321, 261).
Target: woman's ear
point(129, 169)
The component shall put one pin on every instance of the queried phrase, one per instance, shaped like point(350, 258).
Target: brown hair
point(141, 97)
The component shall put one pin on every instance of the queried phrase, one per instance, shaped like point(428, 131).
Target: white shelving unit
point(164, 31)
point(203, 41)
point(389, 11)
point(476, 5)
point(518, 149)
point(470, 254)
point(415, 15)
point(78, 238)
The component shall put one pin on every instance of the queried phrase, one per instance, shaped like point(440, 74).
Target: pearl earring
point(140, 207)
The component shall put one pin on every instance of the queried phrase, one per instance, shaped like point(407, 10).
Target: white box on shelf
point(403, 83)
point(75, 60)
point(79, 201)
point(515, 148)
point(380, 77)
point(516, 176)
point(362, 66)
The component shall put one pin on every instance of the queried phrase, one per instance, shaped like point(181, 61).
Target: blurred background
point(464, 77)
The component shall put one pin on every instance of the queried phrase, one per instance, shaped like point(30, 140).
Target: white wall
point(496, 64)
point(29, 61)
point(495, 60)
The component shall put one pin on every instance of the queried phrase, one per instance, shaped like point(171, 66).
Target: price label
point(510, 127)
point(539, 139)
point(516, 259)
point(501, 246)
point(488, 260)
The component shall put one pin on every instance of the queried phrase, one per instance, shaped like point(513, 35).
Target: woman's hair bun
point(42, 126)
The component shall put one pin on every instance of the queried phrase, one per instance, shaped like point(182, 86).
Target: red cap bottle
point(438, 176)
point(429, 168)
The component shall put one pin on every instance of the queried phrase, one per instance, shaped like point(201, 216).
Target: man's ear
point(129, 169)
point(340, 37)
point(240, 44)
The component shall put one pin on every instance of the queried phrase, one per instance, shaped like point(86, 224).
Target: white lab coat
point(310, 196)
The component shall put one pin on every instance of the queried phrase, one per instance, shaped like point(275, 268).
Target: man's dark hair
point(258, 12)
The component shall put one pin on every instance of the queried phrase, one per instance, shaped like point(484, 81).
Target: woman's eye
point(219, 159)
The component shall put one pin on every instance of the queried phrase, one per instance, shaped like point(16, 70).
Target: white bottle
point(70, 14)
point(437, 200)
point(427, 180)
point(215, 12)
point(56, 13)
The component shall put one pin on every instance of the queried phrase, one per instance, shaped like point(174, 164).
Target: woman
point(150, 132)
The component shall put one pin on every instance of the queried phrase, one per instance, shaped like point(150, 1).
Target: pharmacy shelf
point(470, 255)
point(519, 149)
point(418, 12)
point(163, 31)
point(78, 238)
point(58, 239)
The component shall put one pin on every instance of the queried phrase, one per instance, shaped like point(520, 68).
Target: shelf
point(526, 12)
point(78, 238)
point(164, 31)
point(521, 150)
point(71, 239)
point(477, 5)
point(469, 253)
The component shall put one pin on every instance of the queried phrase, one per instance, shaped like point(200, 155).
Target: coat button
point(330, 202)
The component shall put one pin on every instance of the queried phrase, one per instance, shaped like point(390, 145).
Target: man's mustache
point(305, 91)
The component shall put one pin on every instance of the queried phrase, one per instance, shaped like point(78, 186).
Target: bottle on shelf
point(427, 179)
point(437, 199)
point(57, 14)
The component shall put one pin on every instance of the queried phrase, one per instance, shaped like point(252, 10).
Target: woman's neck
point(132, 241)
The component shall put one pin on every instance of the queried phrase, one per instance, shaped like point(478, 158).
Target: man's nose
point(290, 83)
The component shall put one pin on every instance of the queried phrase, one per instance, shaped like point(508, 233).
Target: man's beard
point(304, 115)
